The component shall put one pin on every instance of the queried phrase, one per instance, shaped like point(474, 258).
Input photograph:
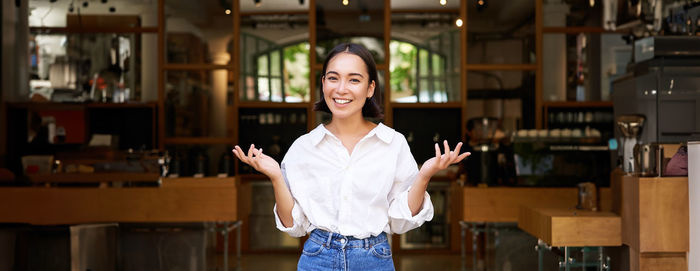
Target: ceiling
point(496, 16)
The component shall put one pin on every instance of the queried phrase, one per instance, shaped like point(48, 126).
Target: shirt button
point(342, 241)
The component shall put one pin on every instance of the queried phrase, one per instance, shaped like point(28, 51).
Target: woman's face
point(346, 85)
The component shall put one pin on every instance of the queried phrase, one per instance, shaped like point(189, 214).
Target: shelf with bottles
point(272, 129)
point(200, 160)
point(578, 120)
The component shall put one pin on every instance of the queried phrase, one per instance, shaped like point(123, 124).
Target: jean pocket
point(381, 250)
point(312, 248)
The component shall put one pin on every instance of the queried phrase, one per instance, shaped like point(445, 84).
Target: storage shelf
point(197, 140)
point(261, 104)
point(95, 177)
point(577, 104)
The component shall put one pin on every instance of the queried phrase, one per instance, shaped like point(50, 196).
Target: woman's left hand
point(442, 161)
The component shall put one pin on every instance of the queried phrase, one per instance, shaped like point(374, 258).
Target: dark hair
point(371, 109)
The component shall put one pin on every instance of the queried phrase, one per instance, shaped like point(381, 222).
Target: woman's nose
point(342, 87)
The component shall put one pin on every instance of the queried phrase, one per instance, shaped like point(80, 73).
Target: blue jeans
point(325, 251)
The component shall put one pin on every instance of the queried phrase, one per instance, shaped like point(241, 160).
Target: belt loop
point(366, 243)
point(330, 236)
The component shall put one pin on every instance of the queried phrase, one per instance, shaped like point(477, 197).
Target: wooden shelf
point(426, 105)
point(256, 104)
point(195, 67)
point(72, 30)
point(501, 67)
point(578, 29)
point(79, 106)
point(197, 140)
point(577, 104)
point(122, 105)
point(440, 10)
point(96, 177)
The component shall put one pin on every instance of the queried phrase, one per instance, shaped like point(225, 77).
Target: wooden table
point(488, 209)
point(568, 227)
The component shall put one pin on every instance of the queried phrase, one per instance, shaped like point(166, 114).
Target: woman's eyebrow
point(351, 74)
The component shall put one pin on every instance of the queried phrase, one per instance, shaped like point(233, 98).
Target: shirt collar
point(383, 132)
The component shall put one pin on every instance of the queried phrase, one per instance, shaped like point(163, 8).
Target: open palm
point(259, 161)
point(442, 161)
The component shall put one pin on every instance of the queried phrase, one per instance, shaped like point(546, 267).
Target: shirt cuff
point(425, 214)
point(297, 229)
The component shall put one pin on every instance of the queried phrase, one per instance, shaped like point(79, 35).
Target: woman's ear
point(370, 89)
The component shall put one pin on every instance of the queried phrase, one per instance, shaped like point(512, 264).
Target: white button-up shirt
point(360, 194)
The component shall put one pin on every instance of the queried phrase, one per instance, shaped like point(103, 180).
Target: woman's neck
point(349, 126)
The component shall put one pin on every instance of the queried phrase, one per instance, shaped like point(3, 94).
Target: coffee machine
point(630, 127)
point(491, 162)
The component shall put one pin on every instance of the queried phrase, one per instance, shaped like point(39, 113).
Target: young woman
point(349, 182)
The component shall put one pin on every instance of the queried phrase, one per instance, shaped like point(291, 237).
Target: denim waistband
point(331, 239)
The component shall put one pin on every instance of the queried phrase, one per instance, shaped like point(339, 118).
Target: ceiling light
point(480, 2)
point(228, 11)
point(346, 2)
point(257, 3)
point(443, 2)
point(591, 2)
point(459, 22)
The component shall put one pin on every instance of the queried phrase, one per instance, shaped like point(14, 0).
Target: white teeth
point(342, 101)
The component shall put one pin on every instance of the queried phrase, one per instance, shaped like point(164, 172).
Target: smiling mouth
point(342, 101)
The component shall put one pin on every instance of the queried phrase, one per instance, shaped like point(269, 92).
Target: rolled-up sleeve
point(298, 229)
point(401, 219)
point(301, 223)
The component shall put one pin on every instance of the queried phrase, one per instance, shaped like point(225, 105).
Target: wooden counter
point(568, 227)
point(502, 204)
point(177, 200)
point(655, 220)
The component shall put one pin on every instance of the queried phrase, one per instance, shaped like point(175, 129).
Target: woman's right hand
point(259, 161)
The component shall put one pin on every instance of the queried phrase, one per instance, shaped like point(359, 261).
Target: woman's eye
point(355, 80)
point(331, 78)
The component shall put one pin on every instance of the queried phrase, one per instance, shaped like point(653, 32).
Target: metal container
point(587, 197)
point(648, 159)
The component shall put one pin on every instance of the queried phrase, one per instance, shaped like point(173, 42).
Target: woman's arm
point(429, 168)
point(268, 166)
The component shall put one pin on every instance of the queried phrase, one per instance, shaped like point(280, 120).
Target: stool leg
point(475, 238)
point(238, 246)
point(225, 232)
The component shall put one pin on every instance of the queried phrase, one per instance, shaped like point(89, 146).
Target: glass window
point(274, 58)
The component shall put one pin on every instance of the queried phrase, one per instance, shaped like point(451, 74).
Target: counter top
point(569, 227)
point(186, 200)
